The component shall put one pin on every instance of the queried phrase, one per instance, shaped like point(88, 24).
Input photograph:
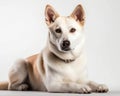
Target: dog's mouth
point(65, 49)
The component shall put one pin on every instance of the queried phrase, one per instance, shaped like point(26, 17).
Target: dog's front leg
point(68, 87)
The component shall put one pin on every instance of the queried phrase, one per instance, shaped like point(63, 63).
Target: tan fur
point(4, 85)
point(33, 72)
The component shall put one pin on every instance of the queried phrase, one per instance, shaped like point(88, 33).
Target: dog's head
point(65, 32)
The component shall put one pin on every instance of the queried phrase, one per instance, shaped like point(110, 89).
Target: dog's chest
point(58, 70)
point(70, 73)
point(67, 72)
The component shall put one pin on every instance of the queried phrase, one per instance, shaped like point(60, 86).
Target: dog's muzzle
point(65, 45)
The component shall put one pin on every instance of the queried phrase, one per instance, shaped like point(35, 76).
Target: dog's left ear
point(50, 14)
point(78, 14)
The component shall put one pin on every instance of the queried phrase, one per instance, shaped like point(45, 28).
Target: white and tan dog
point(61, 66)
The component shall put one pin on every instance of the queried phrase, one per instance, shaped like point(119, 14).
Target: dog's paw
point(102, 88)
point(85, 90)
point(23, 87)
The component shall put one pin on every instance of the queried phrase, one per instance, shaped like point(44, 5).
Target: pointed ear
point(50, 14)
point(78, 14)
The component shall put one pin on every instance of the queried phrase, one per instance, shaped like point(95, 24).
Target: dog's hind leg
point(18, 75)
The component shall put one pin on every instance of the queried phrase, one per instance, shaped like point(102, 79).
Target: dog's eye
point(72, 30)
point(58, 30)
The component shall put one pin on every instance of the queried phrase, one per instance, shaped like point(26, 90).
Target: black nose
point(65, 45)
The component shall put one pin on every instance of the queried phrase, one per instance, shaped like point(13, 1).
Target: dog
point(61, 65)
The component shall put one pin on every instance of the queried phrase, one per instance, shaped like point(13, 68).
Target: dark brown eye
point(72, 30)
point(58, 30)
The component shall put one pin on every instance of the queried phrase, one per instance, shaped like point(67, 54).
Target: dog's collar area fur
point(69, 60)
point(64, 60)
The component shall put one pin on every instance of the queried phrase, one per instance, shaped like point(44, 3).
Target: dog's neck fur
point(64, 60)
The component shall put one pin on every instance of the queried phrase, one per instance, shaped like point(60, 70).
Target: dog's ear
point(78, 14)
point(50, 14)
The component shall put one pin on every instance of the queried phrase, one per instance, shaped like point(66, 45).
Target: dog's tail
point(4, 85)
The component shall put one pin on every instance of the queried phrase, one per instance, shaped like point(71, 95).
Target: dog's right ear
point(50, 14)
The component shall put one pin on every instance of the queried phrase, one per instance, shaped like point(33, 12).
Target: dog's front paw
point(101, 88)
point(85, 90)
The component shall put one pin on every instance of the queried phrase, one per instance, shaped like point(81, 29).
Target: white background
point(23, 32)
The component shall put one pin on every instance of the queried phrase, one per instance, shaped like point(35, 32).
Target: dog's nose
point(65, 45)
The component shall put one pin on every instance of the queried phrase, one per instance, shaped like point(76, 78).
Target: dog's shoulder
point(32, 59)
